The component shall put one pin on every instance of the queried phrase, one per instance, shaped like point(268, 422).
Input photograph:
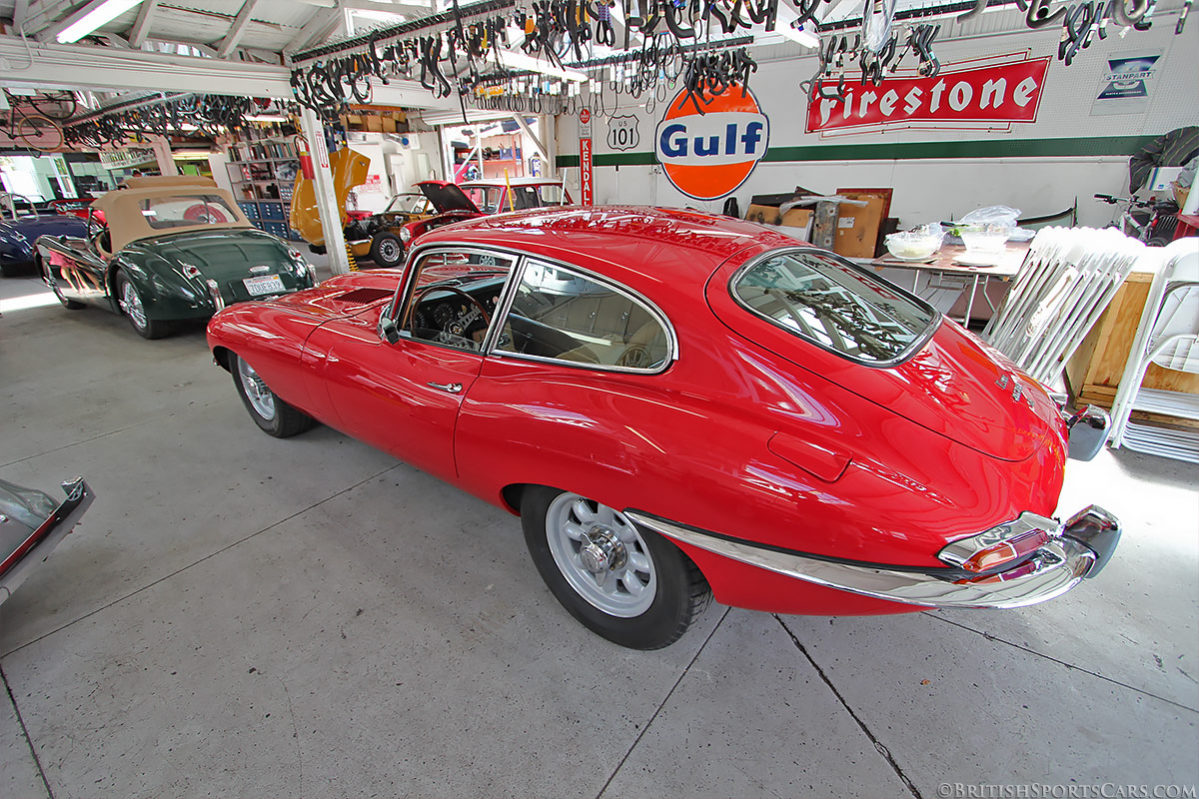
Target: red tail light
point(1003, 544)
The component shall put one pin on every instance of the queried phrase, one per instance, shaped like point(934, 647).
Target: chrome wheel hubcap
point(260, 397)
point(131, 304)
point(388, 250)
point(602, 555)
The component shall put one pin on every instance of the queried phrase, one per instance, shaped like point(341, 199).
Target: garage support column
point(326, 197)
point(164, 157)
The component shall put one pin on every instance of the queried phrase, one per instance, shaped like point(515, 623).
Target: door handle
point(453, 388)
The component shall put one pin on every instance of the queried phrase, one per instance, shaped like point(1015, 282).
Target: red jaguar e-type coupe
point(680, 405)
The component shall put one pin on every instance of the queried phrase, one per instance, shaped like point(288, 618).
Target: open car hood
point(447, 197)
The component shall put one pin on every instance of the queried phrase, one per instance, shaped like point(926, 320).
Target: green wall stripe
point(982, 148)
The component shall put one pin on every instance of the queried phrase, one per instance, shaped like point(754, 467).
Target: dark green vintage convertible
point(169, 248)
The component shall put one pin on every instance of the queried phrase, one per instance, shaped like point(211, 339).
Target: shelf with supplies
point(262, 173)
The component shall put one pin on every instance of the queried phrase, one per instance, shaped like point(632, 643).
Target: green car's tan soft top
point(131, 212)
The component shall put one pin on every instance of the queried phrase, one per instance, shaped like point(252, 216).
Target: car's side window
point(452, 298)
point(563, 315)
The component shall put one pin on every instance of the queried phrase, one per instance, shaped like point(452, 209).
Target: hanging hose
point(350, 257)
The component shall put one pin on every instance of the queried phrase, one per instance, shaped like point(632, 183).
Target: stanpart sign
point(707, 156)
point(1004, 93)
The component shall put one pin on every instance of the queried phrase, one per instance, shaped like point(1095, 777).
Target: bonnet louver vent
point(364, 296)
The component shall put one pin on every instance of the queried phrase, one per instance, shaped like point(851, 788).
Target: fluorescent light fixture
point(266, 118)
point(100, 15)
point(799, 36)
point(522, 61)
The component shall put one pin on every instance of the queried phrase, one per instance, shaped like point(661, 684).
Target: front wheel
point(387, 250)
point(134, 309)
point(270, 413)
point(629, 585)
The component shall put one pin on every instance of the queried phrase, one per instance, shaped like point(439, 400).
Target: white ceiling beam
point(19, 12)
point(141, 28)
point(115, 40)
point(110, 69)
point(226, 45)
point(198, 46)
point(39, 14)
point(397, 7)
point(408, 9)
point(318, 20)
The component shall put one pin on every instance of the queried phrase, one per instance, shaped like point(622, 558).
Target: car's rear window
point(834, 304)
point(186, 211)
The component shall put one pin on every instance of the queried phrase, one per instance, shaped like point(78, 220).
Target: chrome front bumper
point(40, 542)
point(1080, 548)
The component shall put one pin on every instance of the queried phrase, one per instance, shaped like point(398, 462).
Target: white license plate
point(267, 284)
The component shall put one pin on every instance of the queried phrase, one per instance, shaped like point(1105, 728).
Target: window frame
point(407, 286)
point(145, 207)
point(672, 342)
point(914, 347)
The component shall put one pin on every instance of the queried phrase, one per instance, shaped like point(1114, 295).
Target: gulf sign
point(707, 156)
point(1003, 93)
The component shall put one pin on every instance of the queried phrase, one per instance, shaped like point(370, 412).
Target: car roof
point(632, 244)
point(125, 220)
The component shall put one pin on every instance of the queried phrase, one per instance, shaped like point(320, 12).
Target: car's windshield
point(493, 199)
point(832, 303)
point(188, 210)
point(408, 204)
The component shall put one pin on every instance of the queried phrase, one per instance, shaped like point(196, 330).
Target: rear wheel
point(130, 301)
point(270, 413)
point(629, 585)
point(387, 250)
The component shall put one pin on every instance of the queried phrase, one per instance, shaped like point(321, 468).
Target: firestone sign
point(1005, 93)
point(707, 156)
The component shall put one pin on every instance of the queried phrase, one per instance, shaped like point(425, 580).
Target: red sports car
point(679, 405)
point(475, 198)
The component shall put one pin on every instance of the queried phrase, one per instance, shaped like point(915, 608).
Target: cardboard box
point(858, 225)
point(763, 214)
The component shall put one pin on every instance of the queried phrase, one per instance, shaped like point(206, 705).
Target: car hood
point(222, 255)
point(344, 295)
point(954, 385)
point(447, 197)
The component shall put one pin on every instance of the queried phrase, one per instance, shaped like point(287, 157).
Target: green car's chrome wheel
point(134, 310)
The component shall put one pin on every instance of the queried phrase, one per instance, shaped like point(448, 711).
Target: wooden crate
point(1093, 373)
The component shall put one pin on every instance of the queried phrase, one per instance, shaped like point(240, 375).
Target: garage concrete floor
point(242, 616)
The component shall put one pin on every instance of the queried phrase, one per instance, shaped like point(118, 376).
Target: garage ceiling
point(248, 30)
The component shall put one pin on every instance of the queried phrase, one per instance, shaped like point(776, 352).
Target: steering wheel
point(419, 296)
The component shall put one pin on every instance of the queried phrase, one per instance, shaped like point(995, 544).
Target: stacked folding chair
point(1168, 336)
point(1068, 278)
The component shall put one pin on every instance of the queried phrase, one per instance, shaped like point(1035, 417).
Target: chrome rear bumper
point(1079, 548)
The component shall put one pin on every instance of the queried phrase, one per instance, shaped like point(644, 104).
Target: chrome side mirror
point(388, 329)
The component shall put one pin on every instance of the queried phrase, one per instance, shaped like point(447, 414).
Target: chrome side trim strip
point(1056, 568)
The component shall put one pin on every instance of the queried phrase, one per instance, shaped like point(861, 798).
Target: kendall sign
point(1004, 93)
point(707, 156)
